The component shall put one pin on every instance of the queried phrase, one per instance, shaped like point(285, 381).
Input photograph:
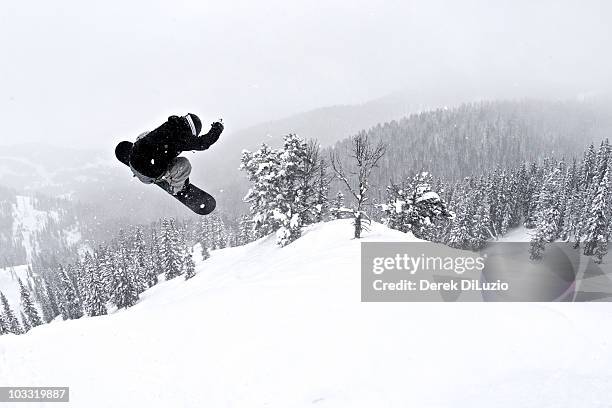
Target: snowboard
point(192, 197)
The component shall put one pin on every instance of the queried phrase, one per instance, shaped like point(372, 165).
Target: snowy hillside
point(28, 221)
point(262, 326)
point(10, 286)
point(31, 224)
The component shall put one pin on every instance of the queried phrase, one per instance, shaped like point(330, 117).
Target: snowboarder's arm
point(203, 142)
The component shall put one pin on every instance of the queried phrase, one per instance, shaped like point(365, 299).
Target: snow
point(10, 286)
point(519, 234)
point(430, 195)
point(27, 221)
point(263, 326)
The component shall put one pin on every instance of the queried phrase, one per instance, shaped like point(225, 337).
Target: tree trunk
point(357, 223)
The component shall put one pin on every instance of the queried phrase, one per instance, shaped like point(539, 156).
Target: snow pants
point(178, 172)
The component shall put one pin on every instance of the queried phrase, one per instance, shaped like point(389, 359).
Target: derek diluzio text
point(427, 285)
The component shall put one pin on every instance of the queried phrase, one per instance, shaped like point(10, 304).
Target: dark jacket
point(151, 154)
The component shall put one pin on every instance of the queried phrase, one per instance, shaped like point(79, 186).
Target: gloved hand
point(216, 128)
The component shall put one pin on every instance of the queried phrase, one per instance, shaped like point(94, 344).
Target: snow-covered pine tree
point(103, 262)
point(321, 207)
point(602, 161)
point(155, 262)
point(183, 248)
point(10, 319)
point(481, 223)
point(263, 170)
point(27, 306)
point(51, 296)
point(25, 323)
point(460, 234)
point(3, 325)
point(70, 305)
point(94, 301)
point(548, 213)
point(170, 251)
point(297, 170)
point(522, 191)
point(205, 253)
point(245, 230)
point(337, 210)
point(73, 271)
point(413, 207)
point(572, 197)
point(597, 223)
point(396, 216)
point(537, 244)
point(218, 232)
point(531, 196)
point(589, 166)
point(204, 232)
point(124, 288)
point(283, 196)
point(141, 260)
point(41, 297)
point(189, 264)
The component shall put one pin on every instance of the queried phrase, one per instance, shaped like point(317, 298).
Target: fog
point(88, 73)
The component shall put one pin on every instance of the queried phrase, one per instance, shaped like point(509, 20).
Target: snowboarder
point(154, 157)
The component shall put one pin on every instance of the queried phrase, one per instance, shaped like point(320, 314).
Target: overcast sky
point(87, 73)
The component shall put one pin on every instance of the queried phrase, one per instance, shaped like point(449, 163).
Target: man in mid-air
point(154, 156)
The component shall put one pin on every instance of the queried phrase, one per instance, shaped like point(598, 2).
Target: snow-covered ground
point(519, 234)
point(261, 326)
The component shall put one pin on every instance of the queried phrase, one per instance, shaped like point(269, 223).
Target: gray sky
point(90, 73)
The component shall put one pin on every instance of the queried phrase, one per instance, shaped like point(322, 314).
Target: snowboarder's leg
point(177, 174)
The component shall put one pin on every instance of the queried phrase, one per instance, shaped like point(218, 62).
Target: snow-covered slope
point(27, 221)
point(31, 223)
point(261, 326)
point(10, 286)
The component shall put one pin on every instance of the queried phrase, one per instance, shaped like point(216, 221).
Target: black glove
point(216, 128)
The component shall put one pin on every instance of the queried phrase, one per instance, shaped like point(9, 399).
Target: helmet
point(123, 151)
point(194, 123)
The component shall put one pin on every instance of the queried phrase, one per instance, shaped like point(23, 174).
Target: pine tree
point(263, 170)
point(538, 244)
point(244, 231)
point(27, 306)
point(170, 251)
point(43, 300)
point(124, 290)
point(25, 323)
point(10, 320)
point(141, 261)
point(321, 207)
point(205, 253)
point(597, 226)
point(481, 224)
point(155, 265)
point(284, 195)
point(414, 207)
point(297, 171)
point(462, 225)
point(530, 203)
point(548, 214)
point(3, 325)
point(337, 209)
point(94, 290)
point(189, 265)
point(70, 304)
point(589, 165)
